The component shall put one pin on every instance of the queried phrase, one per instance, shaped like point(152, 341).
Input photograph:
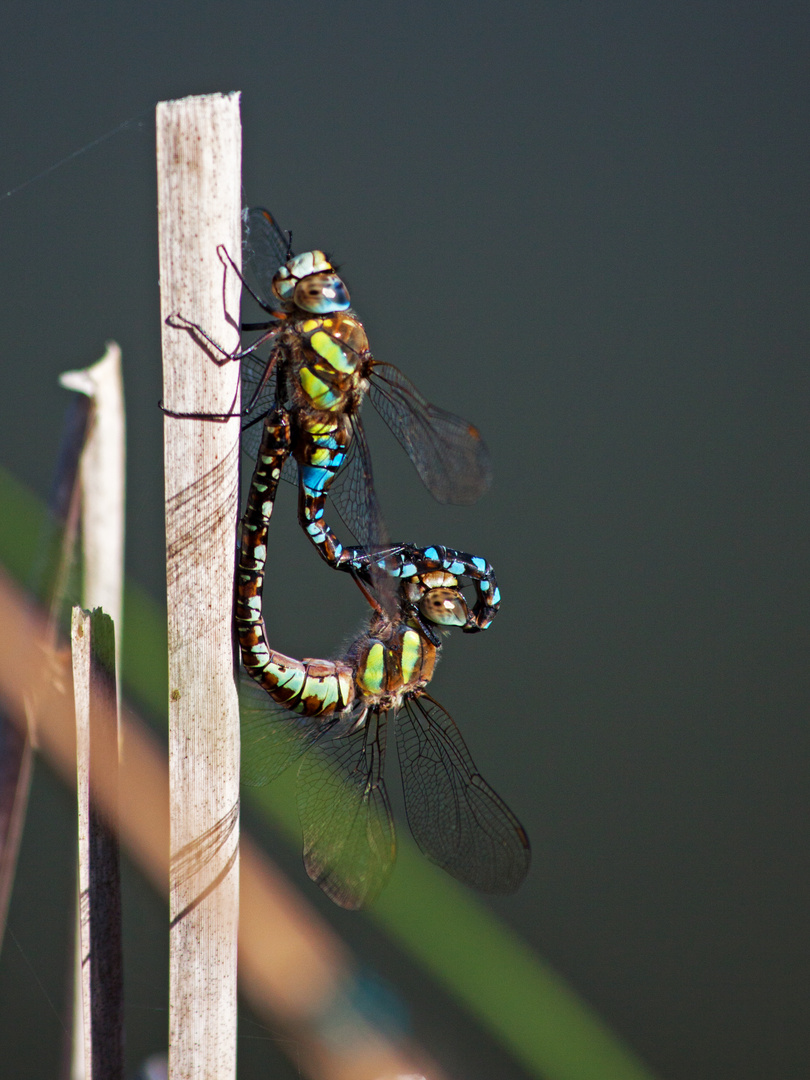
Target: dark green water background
point(584, 227)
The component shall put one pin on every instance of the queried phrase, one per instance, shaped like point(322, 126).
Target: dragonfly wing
point(353, 495)
point(456, 818)
point(272, 737)
point(253, 371)
point(355, 500)
point(349, 839)
point(254, 374)
point(264, 249)
point(449, 454)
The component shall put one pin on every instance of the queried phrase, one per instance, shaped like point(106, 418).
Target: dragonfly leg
point(246, 410)
point(227, 262)
point(361, 586)
point(180, 322)
point(218, 418)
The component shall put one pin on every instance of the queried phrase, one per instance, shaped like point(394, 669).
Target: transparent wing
point(355, 500)
point(254, 375)
point(353, 496)
point(454, 815)
point(349, 839)
point(253, 370)
point(449, 454)
point(272, 737)
point(264, 249)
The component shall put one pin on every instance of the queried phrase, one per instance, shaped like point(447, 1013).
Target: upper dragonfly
point(319, 369)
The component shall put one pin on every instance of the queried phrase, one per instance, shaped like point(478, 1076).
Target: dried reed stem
point(102, 498)
point(100, 1023)
point(199, 197)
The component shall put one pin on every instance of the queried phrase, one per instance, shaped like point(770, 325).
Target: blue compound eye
point(445, 607)
point(321, 293)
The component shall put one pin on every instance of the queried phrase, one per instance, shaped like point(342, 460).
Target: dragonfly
point(334, 715)
point(320, 369)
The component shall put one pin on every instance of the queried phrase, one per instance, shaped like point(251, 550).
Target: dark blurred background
point(584, 227)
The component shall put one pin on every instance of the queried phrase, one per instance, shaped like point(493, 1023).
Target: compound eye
point(284, 284)
point(321, 293)
point(445, 607)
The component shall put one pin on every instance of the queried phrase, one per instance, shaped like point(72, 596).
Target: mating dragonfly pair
point(334, 714)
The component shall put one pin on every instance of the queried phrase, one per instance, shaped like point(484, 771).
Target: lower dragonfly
point(334, 715)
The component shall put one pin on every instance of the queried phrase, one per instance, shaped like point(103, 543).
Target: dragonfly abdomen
point(311, 687)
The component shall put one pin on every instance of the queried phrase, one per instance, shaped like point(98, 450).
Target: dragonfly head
point(308, 281)
point(436, 598)
point(434, 611)
point(444, 607)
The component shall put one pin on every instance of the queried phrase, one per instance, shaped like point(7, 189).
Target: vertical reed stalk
point(100, 1022)
point(98, 983)
point(199, 196)
point(103, 486)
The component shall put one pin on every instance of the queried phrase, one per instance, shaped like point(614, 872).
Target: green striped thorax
point(334, 352)
point(391, 661)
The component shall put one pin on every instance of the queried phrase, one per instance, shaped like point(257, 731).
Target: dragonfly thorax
point(391, 662)
point(309, 282)
point(329, 357)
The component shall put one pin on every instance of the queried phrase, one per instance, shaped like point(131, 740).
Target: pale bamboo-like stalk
point(102, 500)
point(103, 486)
point(199, 203)
point(99, 1025)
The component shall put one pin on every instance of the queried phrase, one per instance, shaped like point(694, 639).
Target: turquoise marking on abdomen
point(315, 479)
point(292, 679)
